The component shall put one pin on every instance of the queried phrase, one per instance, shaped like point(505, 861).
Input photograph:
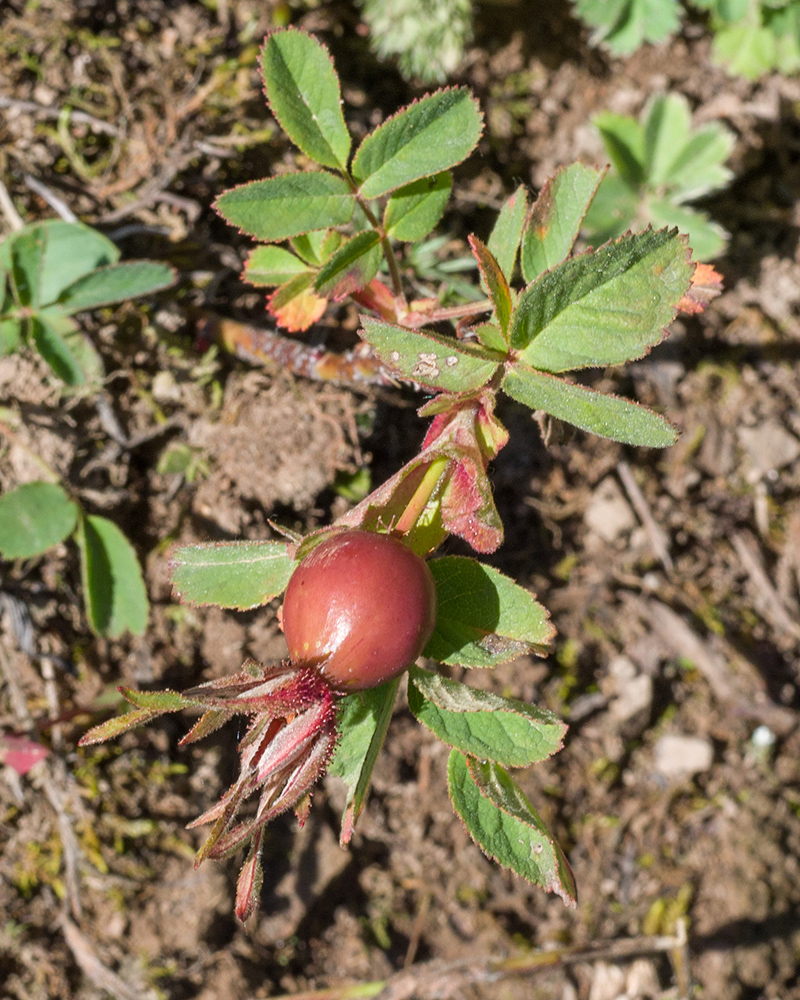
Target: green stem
point(422, 495)
point(388, 250)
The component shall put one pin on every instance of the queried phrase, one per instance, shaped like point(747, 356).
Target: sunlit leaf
point(413, 211)
point(33, 518)
point(507, 231)
point(230, 574)
point(116, 283)
point(113, 586)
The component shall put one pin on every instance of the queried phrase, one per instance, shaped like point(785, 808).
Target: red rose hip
point(360, 607)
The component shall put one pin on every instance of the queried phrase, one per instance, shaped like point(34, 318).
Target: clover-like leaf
point(429, 136)
point(271, 265)
point(482, 724)
point(429, 358)
point(295, 305)
point(506, 827)
point(237, 575)
point(350, 268)
point(604, 307)
point(280, 207)
point(303, 91)
point(413, 211)
point(33, 518)
point(606, 415)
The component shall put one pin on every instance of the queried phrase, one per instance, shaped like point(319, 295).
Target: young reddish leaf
point(303, 92)
point(280, 207)
point(350, 268)
point(113, 586)
point(33, 518)
point(295, 305)
point(429, 136)
point(484, 618)
point(271, 265)
point(363, 721)
point(507, 231)
point(556, 218)
point(495, 281)
point(504, 824)
point(413, 211)
point(429, 358)
point(248, 887)
point(706, 285)
point(21, 753)
point(606, 415)
point(238, 575)
point(605, 307)
point(482, 724)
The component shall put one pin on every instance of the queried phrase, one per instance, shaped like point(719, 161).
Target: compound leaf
point(483, 617)
point(623, 25)
point(280, 207)
point(504, 824)
point(270, 265)
point(33, 518)
point(303, 91)
point(429, 136)
point(482, 724)
point(237, 575)
point(350, 268)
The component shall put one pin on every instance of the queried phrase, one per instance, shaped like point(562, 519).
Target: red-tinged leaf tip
point(706, 285)
point(248, 887)
point(298, 313)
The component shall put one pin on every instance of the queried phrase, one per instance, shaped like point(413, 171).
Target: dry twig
point(655, 535)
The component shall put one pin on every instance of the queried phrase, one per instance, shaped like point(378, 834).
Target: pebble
point(678, 757)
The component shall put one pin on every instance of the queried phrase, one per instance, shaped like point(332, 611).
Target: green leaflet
point(555, 218)
point(413, 211)
point(271, 265)
point(363, 723)
point(608, 416)
point(482, 724)
point(303, 91)
point(505, 826)
point(46, 334)
point(603, 308)
point(33, 518)
point(115, 283)
point(431, 135)
point(430, 359)
point(507, 231)
point(237, 575)
point(113, 586)
point(493, 279)
point(351, 267)
point(289, 205)
point(483, 617)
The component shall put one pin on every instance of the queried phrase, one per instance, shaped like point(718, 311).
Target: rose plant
point(363, 597)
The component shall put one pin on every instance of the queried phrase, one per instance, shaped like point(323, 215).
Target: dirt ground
point(673, 577)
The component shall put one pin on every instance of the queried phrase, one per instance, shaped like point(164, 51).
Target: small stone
point(678, 757)
point(608, 513)
point(632, 705)
point(769, 447)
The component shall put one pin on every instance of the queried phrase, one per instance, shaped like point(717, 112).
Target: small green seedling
point(660, 163)
point(623, 26)
point(754, 37)
point(328, 705)
point(51, 270)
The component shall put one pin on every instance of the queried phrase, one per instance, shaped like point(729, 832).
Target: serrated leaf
point(483, 617)
point(55, 349)
point(237, 575)
point(667, 124)
point(157, 701)
point(429, 136)
point(507, 231)
point(494, 281)
point(555, 218)
point(280, 207)
point(604, 307)
point(613, 210)
point(270, 265)
point(608, 416)
point(303, 92)
point(33, 518)
point(116, 283)
point(318, 247)
point(350, 268)
point(113, 586)
point(120, 724)
point(750, 50)
point(430, 359)
point(413, 211)
point(706, 239)
point(698, 168)
point(623, 138)
point(363, 721)
point(482, 724)
point(504, 824)
point(623, 25)
point(295, 305)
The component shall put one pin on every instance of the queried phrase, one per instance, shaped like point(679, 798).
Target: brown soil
point(677, 619)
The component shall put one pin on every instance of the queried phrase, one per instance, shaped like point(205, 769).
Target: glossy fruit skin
point(360, 607)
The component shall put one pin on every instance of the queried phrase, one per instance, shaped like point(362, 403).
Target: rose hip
point(360, 608)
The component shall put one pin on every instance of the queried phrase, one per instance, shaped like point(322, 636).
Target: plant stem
point(422, 495)
point(450, 312)
point(388, 251)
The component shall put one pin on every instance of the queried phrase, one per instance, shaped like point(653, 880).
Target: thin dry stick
point(9, 211)
point(446, 979)
point(768, 598)
point(655, 535)
point(94, 970)
point(52, 199)
point(82, 117)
